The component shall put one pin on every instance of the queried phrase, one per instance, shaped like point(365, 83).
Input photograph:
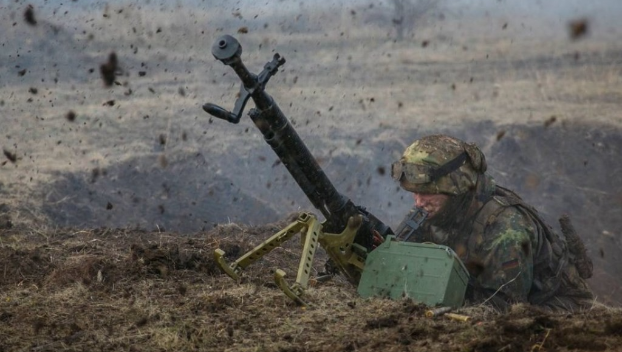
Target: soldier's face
point(432, 203)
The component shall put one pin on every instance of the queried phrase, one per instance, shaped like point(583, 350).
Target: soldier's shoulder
point(507, 208)
point(498, 208)
point(507, 218)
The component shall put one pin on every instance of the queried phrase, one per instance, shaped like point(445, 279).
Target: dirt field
point(129, 290)
point(113, 197)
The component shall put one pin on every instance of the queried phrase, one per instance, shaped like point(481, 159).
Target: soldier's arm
point(506, 260)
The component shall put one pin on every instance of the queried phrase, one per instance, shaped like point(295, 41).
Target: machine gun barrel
point(288, 146)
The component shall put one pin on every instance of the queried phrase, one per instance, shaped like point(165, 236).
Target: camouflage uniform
point(511, 254)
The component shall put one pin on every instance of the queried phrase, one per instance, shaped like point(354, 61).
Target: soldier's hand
point(376, 239)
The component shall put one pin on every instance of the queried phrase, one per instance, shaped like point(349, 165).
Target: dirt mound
point(156, 291)
point(178, 193)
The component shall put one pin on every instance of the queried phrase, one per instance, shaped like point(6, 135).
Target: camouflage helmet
point(439, 164)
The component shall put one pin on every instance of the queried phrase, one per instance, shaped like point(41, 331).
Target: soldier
point(511, 254)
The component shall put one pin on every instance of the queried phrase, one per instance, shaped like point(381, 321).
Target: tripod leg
point(310, 244)
point(234, 269)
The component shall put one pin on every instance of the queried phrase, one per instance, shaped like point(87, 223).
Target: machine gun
point(348, 230)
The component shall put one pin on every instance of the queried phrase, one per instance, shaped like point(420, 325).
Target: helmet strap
point(448, 167)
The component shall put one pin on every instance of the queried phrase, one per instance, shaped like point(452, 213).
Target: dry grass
point(140, 291)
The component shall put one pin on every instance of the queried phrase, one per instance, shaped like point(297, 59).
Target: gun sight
point(228, 51)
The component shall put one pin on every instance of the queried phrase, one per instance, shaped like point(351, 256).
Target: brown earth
point(133, 290)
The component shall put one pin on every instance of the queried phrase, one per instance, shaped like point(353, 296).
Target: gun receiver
point(288, 146)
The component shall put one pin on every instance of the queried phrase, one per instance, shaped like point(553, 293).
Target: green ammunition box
point(428, 273)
